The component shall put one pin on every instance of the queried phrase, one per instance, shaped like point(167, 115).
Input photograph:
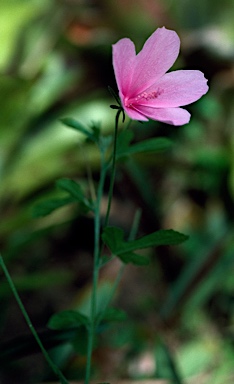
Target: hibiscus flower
point(146, 91)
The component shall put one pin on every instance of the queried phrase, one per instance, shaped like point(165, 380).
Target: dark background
point(55, 61)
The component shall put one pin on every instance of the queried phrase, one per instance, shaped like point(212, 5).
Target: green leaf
point(155, 239)
point(75, 191)
point(151, 145)
point(68, 319)
point(72, 123)
point(113, 238)
point(48, 206)
point(71, 187)
point(80, 341)
point(76, 195)
point(96, 130)
point(134, 258)
point(147, 146)
point(113, 314)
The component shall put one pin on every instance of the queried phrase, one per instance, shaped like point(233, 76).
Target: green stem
point(54, 367)
point(112, 180)
point(96, 265)
point(114, 289)
point(132, 235)
point(97, 249)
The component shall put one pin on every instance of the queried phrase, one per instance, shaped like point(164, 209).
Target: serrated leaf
point(72, 123)
point(134, 258)
point(155, 239)
point(75, 191)
point(46, 207)
point(114, 238)
point(68, 319)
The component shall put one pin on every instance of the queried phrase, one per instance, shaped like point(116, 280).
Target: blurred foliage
point(55, 62)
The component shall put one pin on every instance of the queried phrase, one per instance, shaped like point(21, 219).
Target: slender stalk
point(112, 180)
point(54, 367)
point(96, 265)
point(132, 235)
point(97, 249)
point(114, 289)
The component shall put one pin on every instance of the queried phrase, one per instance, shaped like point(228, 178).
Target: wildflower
point(146, 91)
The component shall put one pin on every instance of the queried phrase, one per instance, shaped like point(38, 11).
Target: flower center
point(145, 96)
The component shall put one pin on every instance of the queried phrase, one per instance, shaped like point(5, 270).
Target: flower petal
point(174, 116)
point(135, 115)
point(153, 61)
point(124, 56)
point(176, 89)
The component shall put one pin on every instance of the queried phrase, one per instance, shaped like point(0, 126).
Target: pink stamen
point(144, 96)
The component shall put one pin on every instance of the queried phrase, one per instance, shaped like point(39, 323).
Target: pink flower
point(145, 89)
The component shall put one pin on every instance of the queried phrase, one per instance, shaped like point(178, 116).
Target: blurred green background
point(55, 61)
